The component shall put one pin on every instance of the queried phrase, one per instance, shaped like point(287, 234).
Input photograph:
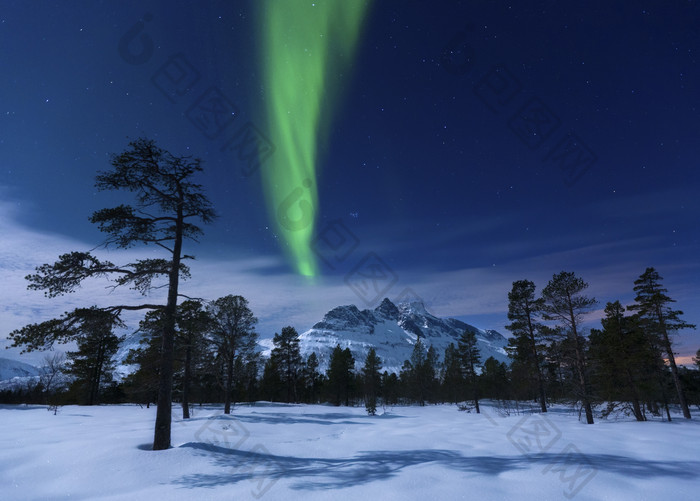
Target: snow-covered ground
point(272, 451)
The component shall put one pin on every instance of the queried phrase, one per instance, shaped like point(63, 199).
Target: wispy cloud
point(278, 297)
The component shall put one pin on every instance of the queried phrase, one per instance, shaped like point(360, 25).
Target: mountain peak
point(415, 306)
point(392, 330)
point(388, 309)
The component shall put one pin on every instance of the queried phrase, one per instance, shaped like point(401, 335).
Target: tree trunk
point(638, 415)
point(581, 367)
point(665, 400)
point(583, 381)
point(161, 435)
point(228, 387)
point(674, 370)
point(186, 381)
point(540, 382)
point(96, 376)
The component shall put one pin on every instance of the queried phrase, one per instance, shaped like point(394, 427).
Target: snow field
point(276, 451)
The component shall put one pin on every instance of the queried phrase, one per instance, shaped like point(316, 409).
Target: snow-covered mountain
point(15, 374)
point(392, 330)
point(13, 368)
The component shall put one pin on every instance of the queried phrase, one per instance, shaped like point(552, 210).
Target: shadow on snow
point(366, 467)
point(325, 419)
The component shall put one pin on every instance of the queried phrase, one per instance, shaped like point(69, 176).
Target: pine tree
point(565, 304)
point(430, 374)
point(372, 380)
point(311, 377)
point(167, 200)
point(652, 307)
point(193, 322)
point(340, 375)
point(288, 360)
point(232, 332)
point(390, 388)
point(452, 381)
point(624, 359)
point(271, 385)
point(245, 377)
point(524, 310)
point(413, 373)
point(93, 365)
point(142, 384)
point(469, 353)
point(493, 381)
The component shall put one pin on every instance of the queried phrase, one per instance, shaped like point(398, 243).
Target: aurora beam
point(307, 45)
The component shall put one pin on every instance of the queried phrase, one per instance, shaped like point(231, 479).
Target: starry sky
point(472, 144)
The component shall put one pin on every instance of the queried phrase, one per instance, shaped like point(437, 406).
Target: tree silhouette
point(166, 201)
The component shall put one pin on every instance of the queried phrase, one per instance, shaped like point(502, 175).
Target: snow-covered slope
point(15, 374)
point(318, 452)
point(392, 330)
point(10, 369)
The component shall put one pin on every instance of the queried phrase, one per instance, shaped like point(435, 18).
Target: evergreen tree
point(311, 377)
point(245, 377)
point(167, 200)
point(420, 373)
point(413, 373)
point(623, 359)
point(372, 380)
point(525, 383)
point(232, 332)
point(141, 385)
point(93, 365)
point(288, 360)
point(469, 353)
point(452, 381)
point(493, 381)
point(652, 307)
point(390, 388)
point(430, 374)
point(555, 367)
point(565, 304)
point(193, 322)
point(524, 310)
point(271, 385)
point(340, 375)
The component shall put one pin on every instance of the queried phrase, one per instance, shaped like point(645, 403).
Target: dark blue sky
point(476, 143)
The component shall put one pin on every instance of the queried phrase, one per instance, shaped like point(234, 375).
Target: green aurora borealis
point(306, 46)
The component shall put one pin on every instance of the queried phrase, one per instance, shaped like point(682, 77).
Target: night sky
point(472, 144)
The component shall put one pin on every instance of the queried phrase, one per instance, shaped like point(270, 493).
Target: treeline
point(626, 366)
point(203, 352)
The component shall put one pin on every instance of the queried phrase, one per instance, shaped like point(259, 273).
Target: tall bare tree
point(166, 201)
